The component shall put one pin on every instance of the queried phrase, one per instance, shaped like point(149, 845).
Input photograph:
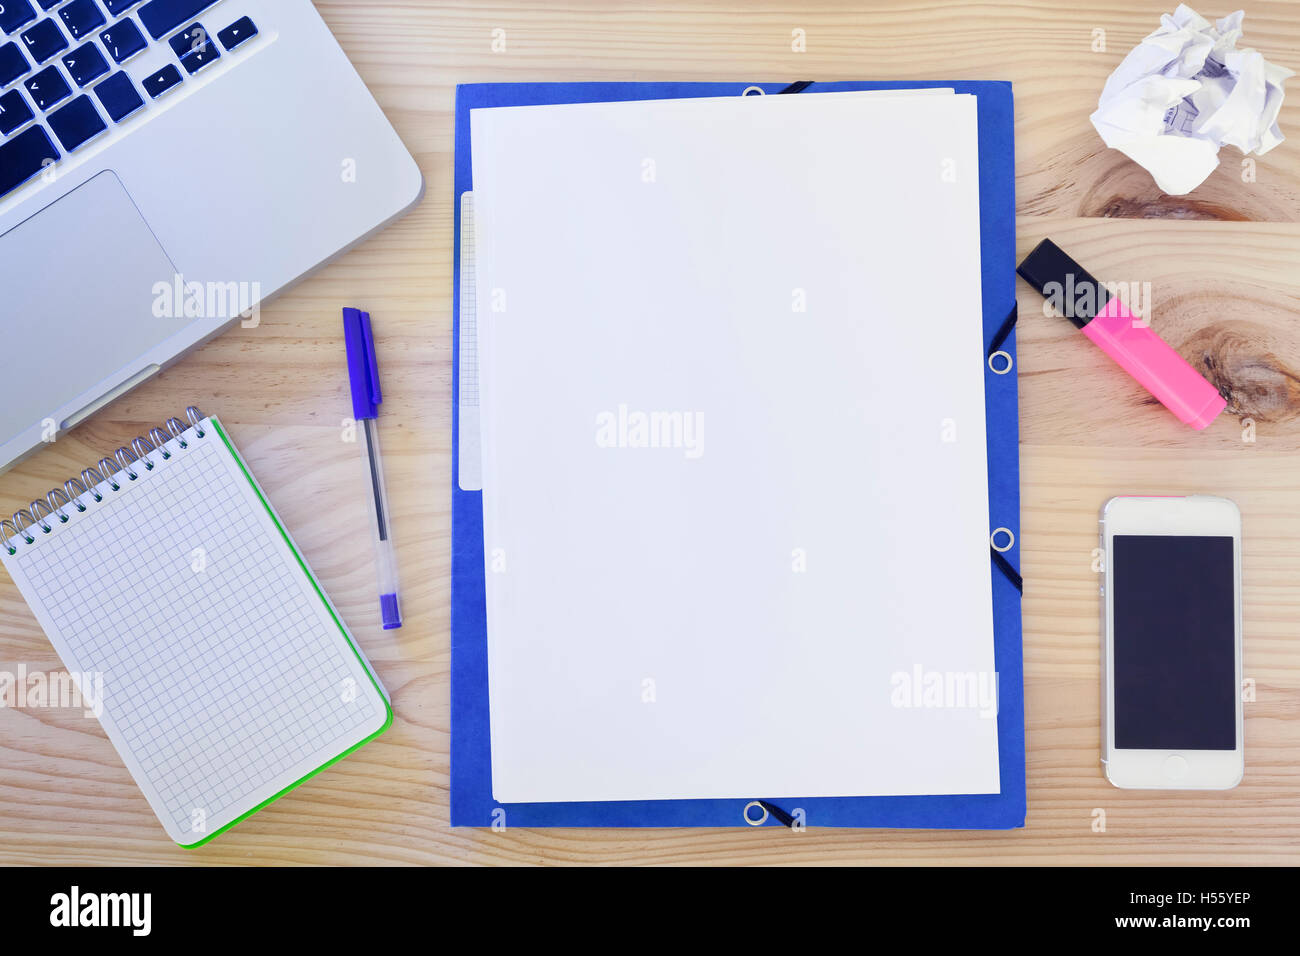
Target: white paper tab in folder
point(734, 464)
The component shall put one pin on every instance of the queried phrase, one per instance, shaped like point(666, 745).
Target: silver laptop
point(166, 165)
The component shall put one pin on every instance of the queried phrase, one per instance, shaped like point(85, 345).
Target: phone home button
point(1175, 767)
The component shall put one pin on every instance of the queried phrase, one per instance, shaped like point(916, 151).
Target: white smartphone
point(1171, 643)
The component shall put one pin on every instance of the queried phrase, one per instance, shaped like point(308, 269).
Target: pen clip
point(363, 367)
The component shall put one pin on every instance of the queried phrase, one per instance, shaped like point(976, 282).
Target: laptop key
point(12, 63)
point(85, 64)
point(119, 97)
point(163, 81)
point(47, 87)
point(14, 13)
point(238, 32)
point(161, 17)
point(118, 6)
point(123, 40)
point(192, 39)
point(77, 123)
point(48, 5)
point(44, 40)
point(24, 156)
point(198, 59)
point(14, 112)
point(82, 17)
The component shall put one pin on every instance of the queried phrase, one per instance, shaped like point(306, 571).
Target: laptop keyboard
point(61, 79)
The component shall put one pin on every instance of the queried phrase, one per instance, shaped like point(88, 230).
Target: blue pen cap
point(363, 370)
point(390, 611)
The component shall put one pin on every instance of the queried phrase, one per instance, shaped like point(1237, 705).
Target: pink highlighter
point(1125, 338)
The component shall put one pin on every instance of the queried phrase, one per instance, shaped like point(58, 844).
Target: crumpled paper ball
point(1186, 90)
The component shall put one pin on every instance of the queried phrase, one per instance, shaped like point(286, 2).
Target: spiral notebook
point(228, 678)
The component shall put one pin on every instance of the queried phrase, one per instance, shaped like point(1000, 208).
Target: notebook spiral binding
point(19, 528)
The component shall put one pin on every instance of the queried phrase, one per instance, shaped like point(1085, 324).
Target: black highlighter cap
point(1060, 279)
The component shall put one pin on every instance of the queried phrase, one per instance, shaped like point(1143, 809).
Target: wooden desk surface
point(1226, 290)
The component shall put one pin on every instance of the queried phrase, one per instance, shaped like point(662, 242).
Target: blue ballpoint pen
point(363, 372)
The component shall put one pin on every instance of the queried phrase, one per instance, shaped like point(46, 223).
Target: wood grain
point(1225, 290)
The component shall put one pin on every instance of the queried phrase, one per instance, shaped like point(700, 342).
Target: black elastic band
point(1004, 330)
point(797, 87)
point(1005, 567)
point(777, 812)
point(999, 337)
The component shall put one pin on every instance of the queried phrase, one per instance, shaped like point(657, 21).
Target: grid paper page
point(226, 677)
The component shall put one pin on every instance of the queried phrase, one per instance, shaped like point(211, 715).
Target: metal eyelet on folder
point(993, 540)
point(761, 92)
point(750, 820)
point(1000, 336)
point(15, 530)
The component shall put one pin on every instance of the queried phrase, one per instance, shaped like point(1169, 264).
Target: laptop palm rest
point(84, 315)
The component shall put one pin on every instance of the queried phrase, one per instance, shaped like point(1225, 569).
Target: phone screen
point(1174, 642)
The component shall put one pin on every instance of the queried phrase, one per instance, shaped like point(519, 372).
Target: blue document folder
point(471, 764)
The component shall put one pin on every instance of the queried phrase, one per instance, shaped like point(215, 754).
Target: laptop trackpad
point(83, 304)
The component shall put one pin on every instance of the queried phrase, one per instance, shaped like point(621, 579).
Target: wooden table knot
point(1258, 377)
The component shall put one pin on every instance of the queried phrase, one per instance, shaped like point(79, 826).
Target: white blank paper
point(734, 466)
